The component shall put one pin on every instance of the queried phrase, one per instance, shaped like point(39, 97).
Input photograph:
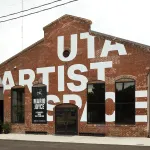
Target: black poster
point(39, 104)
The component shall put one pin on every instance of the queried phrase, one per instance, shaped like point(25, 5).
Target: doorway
point(66, 119)
point(1, 104)
point(1, 111)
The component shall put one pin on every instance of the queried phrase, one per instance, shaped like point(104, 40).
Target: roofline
point(121, 39)
point(24, 50)
point(91, 31)
point(94, 32)
point(66, 15)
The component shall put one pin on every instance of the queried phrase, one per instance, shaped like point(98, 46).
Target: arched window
point(96, 103)
point(125, 101)
point(17, 104)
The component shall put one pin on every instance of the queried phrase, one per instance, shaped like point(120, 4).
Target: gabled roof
point(145, 47)
point(69, 16)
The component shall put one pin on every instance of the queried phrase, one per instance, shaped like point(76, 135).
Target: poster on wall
point(39, 104)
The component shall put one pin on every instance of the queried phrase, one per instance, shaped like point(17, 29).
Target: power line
point(38, 11)
point(29, 9)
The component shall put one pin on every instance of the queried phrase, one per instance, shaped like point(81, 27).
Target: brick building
point(77, 81)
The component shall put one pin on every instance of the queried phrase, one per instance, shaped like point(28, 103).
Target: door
point(66, 120)
point(1, 108)
point(1, 104)
point(1, 111)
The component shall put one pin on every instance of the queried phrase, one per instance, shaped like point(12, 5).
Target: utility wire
point(29, 9)
point(38, 11)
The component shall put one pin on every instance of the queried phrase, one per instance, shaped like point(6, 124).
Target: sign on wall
point(40, 107)
point(39, 104)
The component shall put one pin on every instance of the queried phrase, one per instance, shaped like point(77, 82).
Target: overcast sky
point(128, 19)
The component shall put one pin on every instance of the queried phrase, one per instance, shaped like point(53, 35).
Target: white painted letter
point(140, 118)
point(61, 79)
point(108, 47)
point(50, 107)
point(29, 81)
point(84, 114)
point(60, 48)
point(110, 95)
point(77, 77)
point(141, 105)
point(8, 77)
point(90, 44)
point(45, 71)
point(100, 66)
point(141, 93)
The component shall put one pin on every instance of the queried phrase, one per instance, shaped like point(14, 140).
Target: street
point(25, 145)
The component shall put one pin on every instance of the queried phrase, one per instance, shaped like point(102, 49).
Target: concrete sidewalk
point(79, 139)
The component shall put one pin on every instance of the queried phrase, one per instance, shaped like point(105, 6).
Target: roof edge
point(71, 16)
point(121, 39)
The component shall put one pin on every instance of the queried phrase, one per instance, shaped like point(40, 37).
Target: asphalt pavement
point(30, 145)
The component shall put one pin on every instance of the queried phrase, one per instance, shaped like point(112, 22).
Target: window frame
point(125, 80)
point(100, 123)
point(12, 121)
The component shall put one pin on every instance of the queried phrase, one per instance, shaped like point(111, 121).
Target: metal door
point(66, 120)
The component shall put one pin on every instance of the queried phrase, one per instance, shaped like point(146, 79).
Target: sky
point(128, 19)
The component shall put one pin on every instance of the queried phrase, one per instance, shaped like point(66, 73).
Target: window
point(18, 105)
point(1, 93)
point(125, 102)
point(96, 103)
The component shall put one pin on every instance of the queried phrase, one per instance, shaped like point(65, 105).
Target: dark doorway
point(1, 111)
point(1, 105)
point(66, 119)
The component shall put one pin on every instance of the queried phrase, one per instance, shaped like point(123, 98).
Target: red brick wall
point(135, 64)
